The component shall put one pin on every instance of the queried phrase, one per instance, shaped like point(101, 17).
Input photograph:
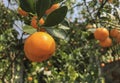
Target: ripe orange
point(106, 43)
point(102, 64)
point(52, 8)
point(114, 33)
point(101, 34)
point(109, 61)
point(118, 38)
point(30, 78)
point(22, 12)
point(34, 22)
point(39, 46)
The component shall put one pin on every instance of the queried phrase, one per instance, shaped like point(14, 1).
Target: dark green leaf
point(29, 29)
point(42, 6)
point(56, 17)
point(28, 5)
point(56, 1)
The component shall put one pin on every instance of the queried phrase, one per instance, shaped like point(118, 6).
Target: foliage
point(78, 55)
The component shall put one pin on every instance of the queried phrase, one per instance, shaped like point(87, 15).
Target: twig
point(75, 6)
point(88, 10)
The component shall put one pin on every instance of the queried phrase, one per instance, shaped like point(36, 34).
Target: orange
point(22, 12)
point(114, 33)
point(39, 46)
point(102, 64)
point(106, 43)
point(109, 61)
point(118, 38)
point(34, 22)
point(101, 34)
point(30, 78)
point(52, 8)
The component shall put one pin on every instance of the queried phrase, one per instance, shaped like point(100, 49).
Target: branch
point(102, 5)
point(88, 10)
point(75, 6)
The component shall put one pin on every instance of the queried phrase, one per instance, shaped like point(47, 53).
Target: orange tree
point(73, 51)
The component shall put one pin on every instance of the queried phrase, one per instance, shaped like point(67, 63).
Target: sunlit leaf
point(63, 27)
point(57, 33)
point(29, 29)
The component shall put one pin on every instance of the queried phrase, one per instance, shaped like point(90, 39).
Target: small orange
point(106, 43)
point(52, 8)
point(22, 12)
point(114, 33)
point(34, 22)
point(102, 64)
point(39, 46)
point(109, 61)
point(101, 34)
point(30, 78)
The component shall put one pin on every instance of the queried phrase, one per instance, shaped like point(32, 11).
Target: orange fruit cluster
point(102, 34)
point(52, 8)
point(22, 12)
point(39, 46)
point(34, 22)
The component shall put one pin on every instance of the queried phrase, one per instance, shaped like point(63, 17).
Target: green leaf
point(65, 22)
point(56, 1)
point(63, 27)
point(29, 29)
point(56, 17)
point(57, 33)
point(28, 5)
point(118, 11)
point(42, 6)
